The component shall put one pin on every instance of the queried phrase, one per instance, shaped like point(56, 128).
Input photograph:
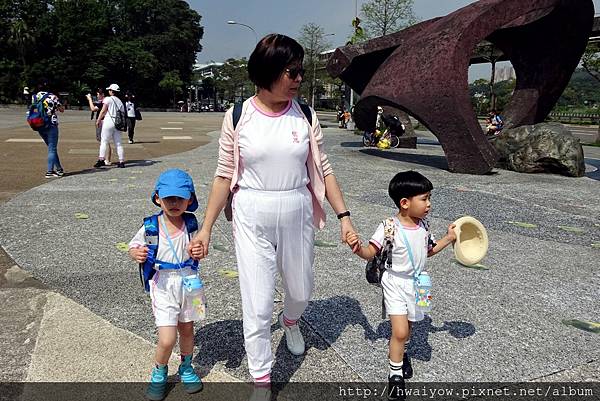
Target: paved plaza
point(77, 311)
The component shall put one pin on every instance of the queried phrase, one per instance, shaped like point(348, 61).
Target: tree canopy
point(382, 17)
point(93, 43)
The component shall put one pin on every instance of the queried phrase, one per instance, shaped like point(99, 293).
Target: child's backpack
point(383, 259)
point(37, 118)
point(151, 234)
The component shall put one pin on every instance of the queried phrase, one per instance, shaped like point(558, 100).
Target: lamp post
point(315, 59)
point(247, 26)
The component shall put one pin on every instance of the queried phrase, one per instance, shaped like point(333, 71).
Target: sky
point(222, 41)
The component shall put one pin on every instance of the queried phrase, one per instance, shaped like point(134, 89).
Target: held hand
point(352, 239)
point(196, 251)
point(98, 123)
point(451, 234)
point(348, 228)
point(198, 246)
point(139, 254)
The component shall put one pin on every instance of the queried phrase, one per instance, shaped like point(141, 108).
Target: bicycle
point(373, 138)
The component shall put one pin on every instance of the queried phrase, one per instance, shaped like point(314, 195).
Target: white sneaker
point(293, 337)
point(107, 162)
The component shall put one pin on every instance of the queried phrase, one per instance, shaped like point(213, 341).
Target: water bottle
point(194, 293)
point(423, 292)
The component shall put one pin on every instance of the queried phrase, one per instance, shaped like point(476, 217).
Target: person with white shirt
point(130, 107)
point(110, 105)
point(273, 162)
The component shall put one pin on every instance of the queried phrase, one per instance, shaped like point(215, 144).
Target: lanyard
point(416, 271)
point(170, 242)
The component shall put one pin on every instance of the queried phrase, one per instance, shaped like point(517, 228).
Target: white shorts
point(169, 303)
point(399, 296)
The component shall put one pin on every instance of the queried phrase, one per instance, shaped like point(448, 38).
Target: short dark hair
point(407, 184)
point(272, 55)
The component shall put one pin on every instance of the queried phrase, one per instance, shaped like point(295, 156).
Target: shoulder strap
point(237, 113)
point(389, 229)
point(191, 223)
point(306, 110)
point(41, 100)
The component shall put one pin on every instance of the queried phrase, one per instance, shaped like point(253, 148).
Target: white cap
point(471, 241)
point(114, 87)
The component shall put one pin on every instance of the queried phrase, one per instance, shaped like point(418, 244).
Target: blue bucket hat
point(178, 183)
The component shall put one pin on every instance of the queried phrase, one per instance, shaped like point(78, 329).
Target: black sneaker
point(407, 370)
point(396, 388)
point(121, 164)
point(99, 163)
point(50, 174)
point(59, 173)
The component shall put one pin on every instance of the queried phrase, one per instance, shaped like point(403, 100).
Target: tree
point(172, 82)
point(312, 38)
point(591, 63)
point(382, 17)
point(232, 80)
point(96, 42)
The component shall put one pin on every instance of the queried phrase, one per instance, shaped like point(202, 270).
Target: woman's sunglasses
point(294, 72)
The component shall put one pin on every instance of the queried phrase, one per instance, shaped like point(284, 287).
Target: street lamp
point(314, 76)
point(247, 26)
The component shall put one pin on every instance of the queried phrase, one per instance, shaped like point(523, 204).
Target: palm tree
point(20, 37)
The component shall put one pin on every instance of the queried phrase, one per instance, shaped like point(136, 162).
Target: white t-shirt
point(180, 242)
point(130, 109)
point(420, 239)
point(114, 104)
point(273, 149)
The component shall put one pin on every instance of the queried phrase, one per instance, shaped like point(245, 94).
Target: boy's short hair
point(407, 184)
point(272, 55)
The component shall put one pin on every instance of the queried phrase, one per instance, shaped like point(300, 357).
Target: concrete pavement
point(511, 311)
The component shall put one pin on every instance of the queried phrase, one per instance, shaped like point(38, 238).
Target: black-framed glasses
point(295, 71)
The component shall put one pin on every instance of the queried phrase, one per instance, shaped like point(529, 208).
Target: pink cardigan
point(317, 163)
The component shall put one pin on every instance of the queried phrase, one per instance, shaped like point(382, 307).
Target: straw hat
point(471, 241)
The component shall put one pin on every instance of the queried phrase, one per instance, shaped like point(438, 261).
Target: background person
point(110, 105)
point(131, 115)
point(278, 198)
point(49, 133)
point(95, 107)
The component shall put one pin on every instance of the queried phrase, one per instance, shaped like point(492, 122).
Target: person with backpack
point(112, 118)
point(95, 105)
point(46, 104)
point(272, 160)
point(408, 243)
point(171, 277)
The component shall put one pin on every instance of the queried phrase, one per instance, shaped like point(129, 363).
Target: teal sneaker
point(157, 389)
point(191, 382)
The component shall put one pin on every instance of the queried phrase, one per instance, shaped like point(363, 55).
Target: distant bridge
point(486, 53)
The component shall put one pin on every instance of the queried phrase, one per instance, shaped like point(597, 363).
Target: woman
point(49, 133)
point(110, 105)
point(273, 162)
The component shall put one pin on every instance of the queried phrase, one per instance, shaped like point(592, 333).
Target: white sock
point(395, 368)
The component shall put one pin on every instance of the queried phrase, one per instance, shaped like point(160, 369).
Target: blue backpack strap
point(306, 110)
point(237, 113)
point(191, 225)
point(151, 234)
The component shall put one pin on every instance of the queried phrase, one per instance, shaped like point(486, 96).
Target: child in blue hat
point(171, 277)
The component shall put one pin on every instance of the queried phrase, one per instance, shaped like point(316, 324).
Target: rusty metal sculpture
point(423, 69)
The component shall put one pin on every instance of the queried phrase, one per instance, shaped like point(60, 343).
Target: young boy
point(411, 192)
point(160, 246)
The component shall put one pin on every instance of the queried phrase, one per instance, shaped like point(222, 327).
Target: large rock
point(545, 147)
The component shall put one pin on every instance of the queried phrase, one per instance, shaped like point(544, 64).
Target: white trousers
point(273, 232)
point(110, 132)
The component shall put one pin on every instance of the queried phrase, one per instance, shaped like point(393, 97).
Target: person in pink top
point(273, 162)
